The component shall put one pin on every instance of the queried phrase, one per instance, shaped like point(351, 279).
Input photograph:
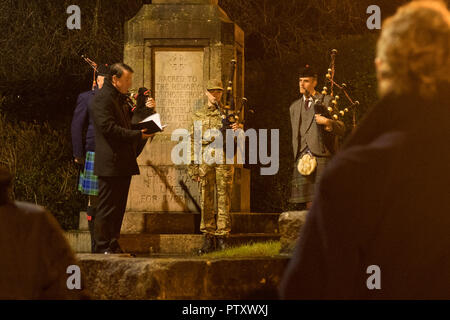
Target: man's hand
point(151, 103)
point(79, 161)
point(145, 136)
point(324, 121)
point(235, 126)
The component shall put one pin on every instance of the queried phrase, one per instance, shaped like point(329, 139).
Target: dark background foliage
point(41, 74)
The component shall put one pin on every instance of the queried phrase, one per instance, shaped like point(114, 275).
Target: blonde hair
point(414, 48)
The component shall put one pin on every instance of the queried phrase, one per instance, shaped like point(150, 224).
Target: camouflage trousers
point(221, 177)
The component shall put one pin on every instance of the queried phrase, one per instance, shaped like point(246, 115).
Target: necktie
point(307, 106)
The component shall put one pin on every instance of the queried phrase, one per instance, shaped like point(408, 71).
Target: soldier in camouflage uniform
point(211, 173)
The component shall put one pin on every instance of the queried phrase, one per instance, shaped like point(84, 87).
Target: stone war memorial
point(175, 47)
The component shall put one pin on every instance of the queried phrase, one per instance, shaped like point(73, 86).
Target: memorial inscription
point(178, 86)
point(160, 190)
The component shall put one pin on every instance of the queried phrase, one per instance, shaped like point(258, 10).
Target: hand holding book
point(152, 124)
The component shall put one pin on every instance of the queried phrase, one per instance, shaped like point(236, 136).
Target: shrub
point(39, 157)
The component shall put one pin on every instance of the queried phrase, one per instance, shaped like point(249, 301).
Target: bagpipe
point(229, 114)
point(229, 111)
point(332, 111)
point(136, 103)
point(95, 67)
point(139, 109)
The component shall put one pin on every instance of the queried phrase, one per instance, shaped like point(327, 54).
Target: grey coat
point(313, 134)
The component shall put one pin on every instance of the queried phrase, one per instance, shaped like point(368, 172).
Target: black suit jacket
point(117, 146)
point(383, 200)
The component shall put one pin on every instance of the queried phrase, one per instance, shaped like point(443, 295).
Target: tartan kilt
point(88, 182)
point(302, 189)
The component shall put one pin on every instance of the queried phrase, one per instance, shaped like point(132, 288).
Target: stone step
point(188, 223)
point(83, 222)
point(181, 243)
point(185, 223)
point(79, 240)
point(163, 243)
point(115, 277)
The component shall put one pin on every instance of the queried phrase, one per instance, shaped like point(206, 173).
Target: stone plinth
point(175, 47)
point(159, 189)
point(189, 223)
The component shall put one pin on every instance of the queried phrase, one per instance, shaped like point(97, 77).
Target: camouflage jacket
point(210, 119)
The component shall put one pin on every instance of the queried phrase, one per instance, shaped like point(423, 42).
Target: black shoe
point(118, 249)
point(208, 244)
point(222, 243)
point(114, 247)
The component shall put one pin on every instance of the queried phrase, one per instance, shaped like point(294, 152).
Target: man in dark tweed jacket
point(308, 135)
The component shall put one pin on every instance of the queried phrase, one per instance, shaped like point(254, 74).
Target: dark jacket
point(79, 121)
point(35, 255)
point(383, 200)
point(117, 145)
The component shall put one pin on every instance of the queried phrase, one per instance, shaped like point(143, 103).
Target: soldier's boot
point(222, 243)
point(208, 244)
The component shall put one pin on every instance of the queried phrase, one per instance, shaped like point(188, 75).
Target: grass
point(259, 249)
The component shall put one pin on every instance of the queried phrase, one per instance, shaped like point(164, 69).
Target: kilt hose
point(88, 184)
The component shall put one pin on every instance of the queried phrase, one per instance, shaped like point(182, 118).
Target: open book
point(151, 123)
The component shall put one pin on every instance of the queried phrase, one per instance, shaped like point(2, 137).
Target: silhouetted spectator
point(35, 254)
